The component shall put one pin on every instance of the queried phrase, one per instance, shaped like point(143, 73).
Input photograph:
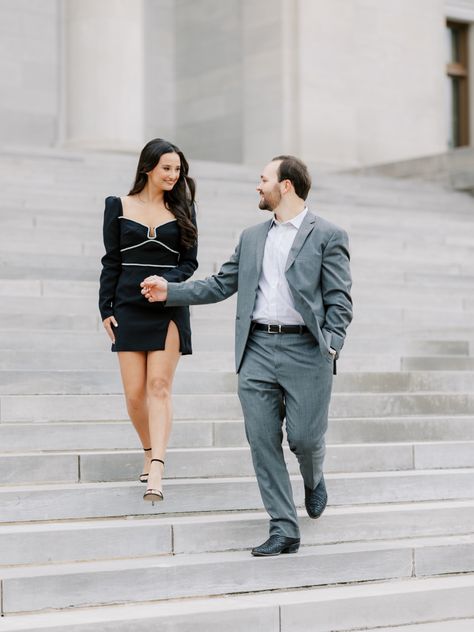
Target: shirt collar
point(295, 221)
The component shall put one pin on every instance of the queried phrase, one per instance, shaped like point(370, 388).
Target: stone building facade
point(342, 83)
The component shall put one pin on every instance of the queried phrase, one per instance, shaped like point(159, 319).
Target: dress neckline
point(150, 228)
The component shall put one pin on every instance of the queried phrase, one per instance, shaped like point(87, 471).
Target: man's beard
point(269, 203)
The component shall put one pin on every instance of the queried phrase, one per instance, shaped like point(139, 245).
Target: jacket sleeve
point(336, 285)
point(112, 260)
point(187, 261)
point(211, 290)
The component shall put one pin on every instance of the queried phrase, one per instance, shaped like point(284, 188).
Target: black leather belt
point(280, 329)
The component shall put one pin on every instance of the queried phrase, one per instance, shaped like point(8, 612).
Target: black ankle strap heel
point(154, 495)
point(143, 478)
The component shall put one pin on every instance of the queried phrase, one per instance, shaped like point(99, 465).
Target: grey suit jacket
point(317, 271)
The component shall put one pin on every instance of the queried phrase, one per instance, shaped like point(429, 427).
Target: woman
point(151, 230)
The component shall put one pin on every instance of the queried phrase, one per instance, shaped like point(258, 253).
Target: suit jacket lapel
point(261, 238)
point(305, 229)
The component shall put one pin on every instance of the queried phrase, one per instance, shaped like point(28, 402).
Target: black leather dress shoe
point(316, 499)
point(275, 545)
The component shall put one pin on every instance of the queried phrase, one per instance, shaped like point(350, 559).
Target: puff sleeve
point(112, 260)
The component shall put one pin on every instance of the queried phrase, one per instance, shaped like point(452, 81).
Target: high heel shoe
point(154, 495)
point(143, 478)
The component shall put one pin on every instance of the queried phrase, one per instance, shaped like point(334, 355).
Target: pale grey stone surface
point(159, 61)
point(223, 573)
point(437, 561)
point(29, 72)
point(39, 468)
point(64, 501)
point(226, 406)
point(208, 79)
point(418, 604)
point(83, 435)
point(55, 543)
point(399, 462)
point(397, 601)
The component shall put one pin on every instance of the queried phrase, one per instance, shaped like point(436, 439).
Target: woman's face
point(166, 173)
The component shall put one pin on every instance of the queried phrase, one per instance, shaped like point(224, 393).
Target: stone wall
point(343, 84)
point(160, 69)
point(372, 80)
point(29, 72)
point(209, 78)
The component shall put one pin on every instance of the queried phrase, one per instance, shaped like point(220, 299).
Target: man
point(293, 280)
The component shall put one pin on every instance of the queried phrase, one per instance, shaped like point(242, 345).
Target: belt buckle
point(271, 331)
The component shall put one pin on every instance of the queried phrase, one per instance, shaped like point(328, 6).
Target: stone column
point(208, 79)
point(104, 73)
point(237, 79)
point(270, 79)
point(160, 70)
point(29, 77)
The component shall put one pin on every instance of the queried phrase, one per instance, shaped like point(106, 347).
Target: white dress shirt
point(274, 303)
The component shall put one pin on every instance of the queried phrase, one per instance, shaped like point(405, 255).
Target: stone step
point(428, 280)
point(98, 435)
point(365, 225)
point(51, 223)
point(342, 608)
point(70, 322)
point(66, 348)
point(223, 380)
point(16, 271)
point(395, 295)
point(405, 275)
point(224, 328)
point(77, 341)
point(219, 248)
point(241, 202)
point(101, 382)
point(82, 268)
point(201, 360)
point(85, 309)
point(67, 501)
point(402, 317)
point(40, 408)
point(357, 343)
point(36, 588)
point(58, 542)
point(453, 625)
point(447, 323)
point(125, 465)
point(441, 363)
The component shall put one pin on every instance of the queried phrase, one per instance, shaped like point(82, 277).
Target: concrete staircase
point(81, 551)
point(454, 169)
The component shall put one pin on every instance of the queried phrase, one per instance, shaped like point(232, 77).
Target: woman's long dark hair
point(180, 199)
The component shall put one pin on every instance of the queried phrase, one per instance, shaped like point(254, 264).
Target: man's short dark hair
point(294, 170)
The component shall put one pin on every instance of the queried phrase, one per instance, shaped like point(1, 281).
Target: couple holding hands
point(293, 282)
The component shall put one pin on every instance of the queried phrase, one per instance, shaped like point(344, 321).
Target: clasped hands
point(155, 288)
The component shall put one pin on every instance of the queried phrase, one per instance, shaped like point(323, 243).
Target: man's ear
point(287, 184)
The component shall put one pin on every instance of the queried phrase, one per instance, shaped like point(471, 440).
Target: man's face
point(269, 187)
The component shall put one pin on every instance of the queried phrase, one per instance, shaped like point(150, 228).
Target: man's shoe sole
point(293, 548)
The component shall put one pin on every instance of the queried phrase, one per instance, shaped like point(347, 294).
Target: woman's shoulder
point(112, 200)
point(112, 210)
point(113, 205)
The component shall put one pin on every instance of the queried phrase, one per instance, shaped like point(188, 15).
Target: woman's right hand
point(108, 322)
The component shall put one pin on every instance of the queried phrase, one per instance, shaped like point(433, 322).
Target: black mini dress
point(132, 254)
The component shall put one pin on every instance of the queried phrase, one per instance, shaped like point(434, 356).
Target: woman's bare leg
point(161, 367)
point(133, 368)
